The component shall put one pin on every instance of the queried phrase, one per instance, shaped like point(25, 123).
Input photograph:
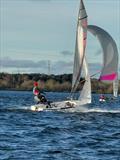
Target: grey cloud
point(61, 67)
point(57, 67)
point(62, 64)
point(66, 53)
point(67, 67)
point(7, 62)
point(40, 66)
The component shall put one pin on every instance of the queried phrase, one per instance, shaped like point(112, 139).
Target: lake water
point(91, 134)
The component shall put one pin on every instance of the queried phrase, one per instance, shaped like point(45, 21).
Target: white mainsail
point(80, 62)
point(81, 35)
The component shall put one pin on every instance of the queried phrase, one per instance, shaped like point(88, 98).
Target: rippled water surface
point(92, 134)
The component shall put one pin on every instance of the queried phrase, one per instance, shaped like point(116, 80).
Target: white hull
point(72, 105)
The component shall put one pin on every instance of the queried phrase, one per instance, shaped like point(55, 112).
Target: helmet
point(35, 84)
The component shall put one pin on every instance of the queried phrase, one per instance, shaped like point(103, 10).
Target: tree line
point(53, 83)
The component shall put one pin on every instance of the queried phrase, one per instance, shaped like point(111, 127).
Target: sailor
point(102, 98)
point(38, 97)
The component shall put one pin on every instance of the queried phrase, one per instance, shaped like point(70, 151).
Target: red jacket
point(36, 91)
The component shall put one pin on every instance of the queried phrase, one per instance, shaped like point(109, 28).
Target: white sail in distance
point(81, 36)
point(115, 87)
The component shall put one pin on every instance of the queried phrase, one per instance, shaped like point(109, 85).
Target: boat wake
point(80, 109)
point(98, 110)
point(17, 109)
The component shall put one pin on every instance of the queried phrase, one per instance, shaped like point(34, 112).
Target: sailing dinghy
point(109, 71)
point(79, 64)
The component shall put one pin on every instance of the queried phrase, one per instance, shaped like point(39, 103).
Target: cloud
point(62, 64)
point(29, 66)
point(67, 53)
point(61, 67)
point(10, 63)
point(56, 67)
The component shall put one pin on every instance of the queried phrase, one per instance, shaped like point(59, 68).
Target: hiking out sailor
point(38, 97)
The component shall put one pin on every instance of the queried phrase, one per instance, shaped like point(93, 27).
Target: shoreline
point(49, 83)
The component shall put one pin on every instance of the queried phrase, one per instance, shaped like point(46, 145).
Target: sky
point(35, 33)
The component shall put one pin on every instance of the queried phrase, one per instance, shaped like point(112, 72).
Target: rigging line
point(72, 93)
point(91, 76)
point(95, 74)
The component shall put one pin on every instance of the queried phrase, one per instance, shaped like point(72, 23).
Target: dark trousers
point(42, 98)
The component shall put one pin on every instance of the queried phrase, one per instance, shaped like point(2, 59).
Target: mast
point(49, 67)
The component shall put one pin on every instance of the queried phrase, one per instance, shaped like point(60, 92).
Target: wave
point(102, 110)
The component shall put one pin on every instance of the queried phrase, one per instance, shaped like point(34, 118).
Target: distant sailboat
point(115, 87)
